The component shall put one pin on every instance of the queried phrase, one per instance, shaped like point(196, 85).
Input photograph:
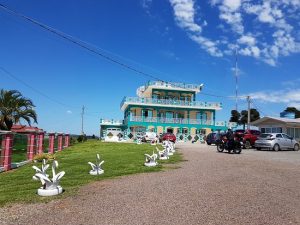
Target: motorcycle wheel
point(237, 150)
point(220, 147)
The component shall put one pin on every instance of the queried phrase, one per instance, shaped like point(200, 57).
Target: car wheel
point(208, 143)
point(276, 147)
point(296, 147)
point(247, 144)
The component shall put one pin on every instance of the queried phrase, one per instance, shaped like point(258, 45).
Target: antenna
point(236, 80)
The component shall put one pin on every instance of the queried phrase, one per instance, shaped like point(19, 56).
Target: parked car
point(249, 138)
point(276, 141)
point(212, 138)
point(167, 136)
point(149, 136)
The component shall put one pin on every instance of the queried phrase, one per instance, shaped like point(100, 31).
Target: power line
point(92, 49)
point(78, 42)
point(34, 89)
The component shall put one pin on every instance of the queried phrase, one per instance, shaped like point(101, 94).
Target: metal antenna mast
point(82, 113)
point(236, 81)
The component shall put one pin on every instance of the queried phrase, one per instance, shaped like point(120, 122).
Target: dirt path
point(209, 188)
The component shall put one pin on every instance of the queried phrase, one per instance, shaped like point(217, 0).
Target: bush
point(82, 138)
point(40, 157)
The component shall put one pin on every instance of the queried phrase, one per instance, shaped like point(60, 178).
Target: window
point(285, 136)
point(278, 136)
point(271, 130)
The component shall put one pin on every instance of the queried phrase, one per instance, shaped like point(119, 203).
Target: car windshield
point(265, 135)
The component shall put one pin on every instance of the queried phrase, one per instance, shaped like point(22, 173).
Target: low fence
point(17, 149)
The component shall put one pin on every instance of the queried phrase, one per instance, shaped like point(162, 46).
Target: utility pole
point(236, 81)
point(248, 120)
point(82, 113)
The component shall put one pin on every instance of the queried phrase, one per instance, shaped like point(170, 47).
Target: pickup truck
point(249, 137)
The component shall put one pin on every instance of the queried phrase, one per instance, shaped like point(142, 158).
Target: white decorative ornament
point(96, 168)
point(151, 160)
point(162, 155)
point(50, 187)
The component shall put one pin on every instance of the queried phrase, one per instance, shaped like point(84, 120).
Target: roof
point(25, 129)
point(279, 119)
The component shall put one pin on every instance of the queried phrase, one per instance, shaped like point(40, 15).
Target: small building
point(162, 107)
point(279, 125)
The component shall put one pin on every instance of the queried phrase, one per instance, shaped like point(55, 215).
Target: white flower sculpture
point(163, 155)
point(139, 141)
point(50, 186)
point(96, 168)
point(150, 160)
point(169, 147)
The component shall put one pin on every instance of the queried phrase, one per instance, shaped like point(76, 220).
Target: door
point(280, 140)
point(288, 141)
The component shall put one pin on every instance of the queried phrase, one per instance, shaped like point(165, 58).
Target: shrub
point(40, 157)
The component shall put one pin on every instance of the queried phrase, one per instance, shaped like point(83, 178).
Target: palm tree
point(14, 108)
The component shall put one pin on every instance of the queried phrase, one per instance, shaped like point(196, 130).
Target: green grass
point(120, 159)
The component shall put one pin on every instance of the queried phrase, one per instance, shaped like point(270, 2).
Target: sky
point(190, 41)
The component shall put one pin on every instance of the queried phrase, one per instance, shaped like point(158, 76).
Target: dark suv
point(212, 138)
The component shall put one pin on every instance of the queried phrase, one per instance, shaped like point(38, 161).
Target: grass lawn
point(120, 159)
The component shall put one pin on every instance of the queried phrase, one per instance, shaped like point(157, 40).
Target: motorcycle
point(224, 144)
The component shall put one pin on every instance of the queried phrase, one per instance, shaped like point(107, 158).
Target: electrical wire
point(34, 89)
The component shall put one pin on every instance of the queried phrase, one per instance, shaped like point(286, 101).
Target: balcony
point(111, 122)
point(169, 120)
point(168, 86)
point(169, 103)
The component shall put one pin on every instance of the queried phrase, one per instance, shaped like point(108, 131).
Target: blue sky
point(182, 41)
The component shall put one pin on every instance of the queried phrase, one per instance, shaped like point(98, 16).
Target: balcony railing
point(174, 85)
point(169, 120)
point(111, 122)
point(171, 102)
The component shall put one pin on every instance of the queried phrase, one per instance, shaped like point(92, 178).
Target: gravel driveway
point(210, 188)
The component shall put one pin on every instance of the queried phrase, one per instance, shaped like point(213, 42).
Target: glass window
point(268, 130)
point(169, 114)
point(278, 136)
point(286, 136)
point(263, 130)
point(297, 133)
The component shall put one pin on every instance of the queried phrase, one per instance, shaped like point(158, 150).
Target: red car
point(167, 136)
point(249, 137)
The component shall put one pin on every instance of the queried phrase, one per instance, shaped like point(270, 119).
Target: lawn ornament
point(96, 168)
point(162, 155)
point(50, 187)
point(150, 160)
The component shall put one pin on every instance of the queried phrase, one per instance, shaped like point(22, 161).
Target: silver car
point(276, 141)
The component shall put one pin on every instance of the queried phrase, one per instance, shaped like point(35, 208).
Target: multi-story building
point(167, 107)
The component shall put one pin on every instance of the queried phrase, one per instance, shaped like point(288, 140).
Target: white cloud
point(287, 96)
point(275, 32)
point(69, 112)
point(184, 14)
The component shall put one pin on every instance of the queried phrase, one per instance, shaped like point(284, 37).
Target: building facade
point(167, 107)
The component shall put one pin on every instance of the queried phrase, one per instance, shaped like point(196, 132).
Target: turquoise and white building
point(166, 107)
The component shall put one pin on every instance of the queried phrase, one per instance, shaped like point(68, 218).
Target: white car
point(276, 141)
point(149, 136)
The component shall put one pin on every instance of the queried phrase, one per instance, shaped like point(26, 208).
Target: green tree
point(294, 110)
point(235, 116)
point(254, 115)
point(14, 108)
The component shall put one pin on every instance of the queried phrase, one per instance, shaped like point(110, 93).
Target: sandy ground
point(255, 187)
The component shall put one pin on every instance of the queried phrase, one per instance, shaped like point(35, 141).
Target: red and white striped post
point(40, 143)
point(6, 152)
point(67, 140)
point(51, 143)
point(31, 147)
point(60, 142)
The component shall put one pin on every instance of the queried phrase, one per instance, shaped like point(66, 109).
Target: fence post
point(40, 144)
point(31, 147)
point(60, 142)
point(51, 143)
point(6, 152)
point(67, 140)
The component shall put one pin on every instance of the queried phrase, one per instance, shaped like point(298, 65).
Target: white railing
point(110, 122)
point(169, 120)
point(171, 102)
point(173, 85)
